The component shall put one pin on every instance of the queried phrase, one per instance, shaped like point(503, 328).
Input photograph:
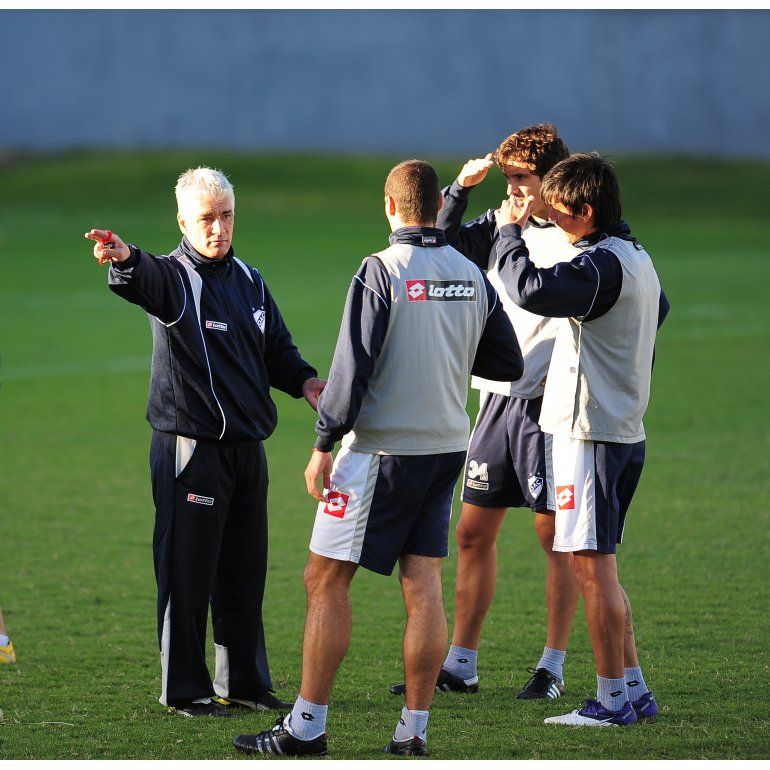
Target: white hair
point(202, 182)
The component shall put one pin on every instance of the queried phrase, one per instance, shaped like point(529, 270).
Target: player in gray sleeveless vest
point(597, 389)
point(419, 319)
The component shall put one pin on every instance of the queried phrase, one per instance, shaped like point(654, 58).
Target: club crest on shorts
point(478, 475)
point(565, 498)
point(338, 503)
point(259, 317)
point(535, 485)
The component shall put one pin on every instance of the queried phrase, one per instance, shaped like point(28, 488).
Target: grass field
point(77, 584)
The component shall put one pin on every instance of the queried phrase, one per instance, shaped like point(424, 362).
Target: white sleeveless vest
point(598, 384)
point(415, 402)
point(547, 246)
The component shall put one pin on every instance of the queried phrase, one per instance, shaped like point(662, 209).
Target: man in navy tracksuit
point(219, 345)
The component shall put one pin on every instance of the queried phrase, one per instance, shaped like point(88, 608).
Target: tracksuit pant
point(210, 547)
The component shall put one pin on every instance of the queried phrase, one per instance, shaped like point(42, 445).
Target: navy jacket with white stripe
point(219, 344)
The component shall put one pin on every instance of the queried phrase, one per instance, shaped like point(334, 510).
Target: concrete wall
point(400, 81)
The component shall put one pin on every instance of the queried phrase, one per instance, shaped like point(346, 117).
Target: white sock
point(4, 640)
point(461, 662)
point(553, 660)
point(611, 693)
point(635, 683)
point(307, 720)
point(410, 724)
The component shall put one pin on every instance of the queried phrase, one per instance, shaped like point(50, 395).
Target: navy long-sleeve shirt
point(219, 344)
point(362, 333)
point(585, 288)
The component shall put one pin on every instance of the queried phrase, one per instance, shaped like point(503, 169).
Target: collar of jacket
point(618, 230)
point(186, 248)
point(540, 224)
point(418, 236)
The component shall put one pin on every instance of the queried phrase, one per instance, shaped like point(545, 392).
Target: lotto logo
point(446, 291)
point(219, 326)
point(338, 503)
point(565, 498)
point(415, 290)
point(200, 499)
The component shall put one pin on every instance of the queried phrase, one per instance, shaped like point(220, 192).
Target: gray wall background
point(392, 81)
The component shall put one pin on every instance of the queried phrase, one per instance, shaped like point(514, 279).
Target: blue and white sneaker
point(646, 707)
point(593, 714)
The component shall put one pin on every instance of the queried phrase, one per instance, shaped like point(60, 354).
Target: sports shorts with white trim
point(595, 482)
point(508, 462)
point(383, 506)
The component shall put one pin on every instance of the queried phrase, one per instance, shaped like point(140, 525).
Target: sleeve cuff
point(323, 444)
point(304, 374)
point(457, 190)
point(127, 264)
point(511, 231)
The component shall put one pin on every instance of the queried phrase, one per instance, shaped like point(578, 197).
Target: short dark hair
point(413, 185)
point(585, 177)
point(538, 146)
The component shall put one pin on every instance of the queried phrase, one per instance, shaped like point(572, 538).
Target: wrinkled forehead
point(197, 205)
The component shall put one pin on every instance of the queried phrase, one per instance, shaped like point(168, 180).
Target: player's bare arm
point(320, 465)
point(108, 246)
point(475, 171)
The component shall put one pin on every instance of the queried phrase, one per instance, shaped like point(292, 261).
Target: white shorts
point(594, 484)
point(383, 506)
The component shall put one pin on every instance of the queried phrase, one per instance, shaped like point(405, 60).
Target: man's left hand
point(511, 214)
point(312, 389)
point(320, 465)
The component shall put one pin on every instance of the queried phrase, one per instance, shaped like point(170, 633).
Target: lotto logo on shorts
point(421, 290)
point(216, 325)
point(565, 498)
point(200, 499)
point(338, 503)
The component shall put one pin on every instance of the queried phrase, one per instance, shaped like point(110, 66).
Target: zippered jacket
point(219, 344)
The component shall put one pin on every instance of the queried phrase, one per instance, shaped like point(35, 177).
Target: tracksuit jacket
point(219, 344)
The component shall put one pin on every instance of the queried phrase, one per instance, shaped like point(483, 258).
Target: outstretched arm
point(139, 277)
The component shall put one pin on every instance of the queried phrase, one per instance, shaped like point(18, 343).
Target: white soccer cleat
point(593, 714)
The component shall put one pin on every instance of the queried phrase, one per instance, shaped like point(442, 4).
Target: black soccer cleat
point(210, 709)
point(278, 740)
point(446, 682)
point(541, 685)
point(411, 747)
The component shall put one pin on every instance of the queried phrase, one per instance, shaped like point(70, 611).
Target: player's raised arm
point(472, 239)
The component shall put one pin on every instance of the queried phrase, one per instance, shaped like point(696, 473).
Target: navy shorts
point(383, 506)
point(595, 483)
point(507, 465)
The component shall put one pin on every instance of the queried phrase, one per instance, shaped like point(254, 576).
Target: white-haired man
point(219, 345)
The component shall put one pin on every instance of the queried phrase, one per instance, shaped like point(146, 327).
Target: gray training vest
point(415, 403)
point(598, 384)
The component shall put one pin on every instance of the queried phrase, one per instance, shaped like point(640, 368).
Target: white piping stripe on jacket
point(184, 303)
point(197, 287)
